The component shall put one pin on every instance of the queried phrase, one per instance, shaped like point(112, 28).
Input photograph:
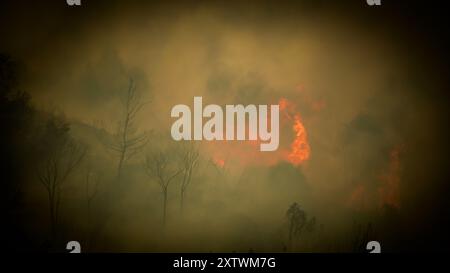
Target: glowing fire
point(296, 151)
point(300, 149)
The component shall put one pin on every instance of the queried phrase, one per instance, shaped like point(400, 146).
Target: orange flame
point(300, 149)
point(246, 153)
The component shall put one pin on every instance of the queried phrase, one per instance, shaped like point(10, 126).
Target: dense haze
point(370, 96)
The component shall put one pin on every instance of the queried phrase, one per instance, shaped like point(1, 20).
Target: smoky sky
point(370, 84)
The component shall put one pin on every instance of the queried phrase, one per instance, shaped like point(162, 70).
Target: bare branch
point(128, 142)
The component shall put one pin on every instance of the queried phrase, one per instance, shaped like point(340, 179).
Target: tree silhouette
point(159, 166)
point(298, 222)
point(17, 146)
point(127, 141)
point(63, 157)
point(190, 157)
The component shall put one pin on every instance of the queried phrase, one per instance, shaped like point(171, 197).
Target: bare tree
point(159, 166)
point(190, 157)
point(127, 140)
point(56, 168)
